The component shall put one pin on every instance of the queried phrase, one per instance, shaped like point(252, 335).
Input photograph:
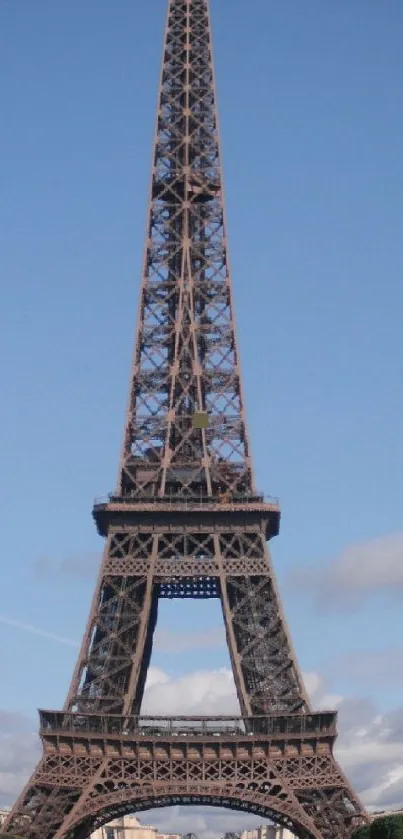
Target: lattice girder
point(141, 566)
point(292, 778)
point(186, 521)
point(186, 357)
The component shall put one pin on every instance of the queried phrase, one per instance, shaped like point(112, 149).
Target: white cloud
point(155, 676)
point(205, 822)
point(200, 692)
point(369, 747)
point(19, 751)
point(209, 692)
point(357, 572)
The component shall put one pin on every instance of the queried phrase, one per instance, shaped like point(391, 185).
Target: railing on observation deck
point(197, 500)
point(287, 726)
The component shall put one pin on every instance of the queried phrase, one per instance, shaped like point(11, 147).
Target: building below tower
point(4, 812)
point(128, 827)
point(268, 831)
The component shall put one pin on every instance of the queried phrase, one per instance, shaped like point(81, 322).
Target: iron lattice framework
point(186, 521)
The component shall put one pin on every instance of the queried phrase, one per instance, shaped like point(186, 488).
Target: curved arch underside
point(270, 804)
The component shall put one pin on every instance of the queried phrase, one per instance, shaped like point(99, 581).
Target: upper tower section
point(185, 428)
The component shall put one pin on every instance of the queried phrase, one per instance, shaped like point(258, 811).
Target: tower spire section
point(185, 428)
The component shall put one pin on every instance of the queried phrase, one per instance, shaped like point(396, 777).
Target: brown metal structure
point(186, 521)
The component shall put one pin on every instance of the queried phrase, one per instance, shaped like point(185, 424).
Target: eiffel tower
point(186, 521)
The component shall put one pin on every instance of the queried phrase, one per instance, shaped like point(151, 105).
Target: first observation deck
point(277, 727)
point(131, 510)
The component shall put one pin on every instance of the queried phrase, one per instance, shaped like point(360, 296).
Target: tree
point(362, 832)
point(390, 827)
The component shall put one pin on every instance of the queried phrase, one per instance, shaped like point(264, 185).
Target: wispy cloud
point(167, 641)
point(35, 630)
point(370, 666)
point(357, 573)
point(83, 566)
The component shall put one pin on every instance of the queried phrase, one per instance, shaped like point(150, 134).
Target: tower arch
point(122, 802)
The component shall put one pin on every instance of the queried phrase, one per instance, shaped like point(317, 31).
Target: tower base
point(98, 767)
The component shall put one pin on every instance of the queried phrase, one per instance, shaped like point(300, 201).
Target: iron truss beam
point(186, 521)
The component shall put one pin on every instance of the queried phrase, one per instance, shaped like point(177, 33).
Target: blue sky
point(312, 127)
